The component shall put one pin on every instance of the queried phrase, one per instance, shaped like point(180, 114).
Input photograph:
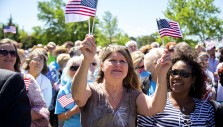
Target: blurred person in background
point(132, 46)
point(203, 61)
point(170, 46)
point(51, 46)
point(66, 108)
point(9, 60)
point(145, 76)
point(145, 49)
point(36, 66)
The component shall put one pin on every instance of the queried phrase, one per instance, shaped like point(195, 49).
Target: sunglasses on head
point(4, 52)
point(74, 68)
point(180, 73)
point(140, 67)
point(94, 64)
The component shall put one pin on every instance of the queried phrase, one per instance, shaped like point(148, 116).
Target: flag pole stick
point(163, 43)
point(89, 26)
point(92, 29)
point(4, 34)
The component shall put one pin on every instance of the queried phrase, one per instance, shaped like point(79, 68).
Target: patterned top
point(37, 103)
point(203, 116)
point(97, 112)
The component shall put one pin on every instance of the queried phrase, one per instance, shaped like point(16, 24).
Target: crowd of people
point(81, 84)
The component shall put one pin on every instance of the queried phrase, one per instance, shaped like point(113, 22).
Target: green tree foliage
point(145, 40)
point(197, 18)
point(110, 33)
point(55, 29)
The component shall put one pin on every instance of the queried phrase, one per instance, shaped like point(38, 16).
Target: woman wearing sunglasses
point(65, 108)
point(9, 60)
point(144, 76)
point(115, 99)
point(184, 107)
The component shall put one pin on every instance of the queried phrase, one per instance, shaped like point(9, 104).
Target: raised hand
point(88, 47)
point(164, 63)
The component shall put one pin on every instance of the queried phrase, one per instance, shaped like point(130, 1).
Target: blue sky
point(135, 17)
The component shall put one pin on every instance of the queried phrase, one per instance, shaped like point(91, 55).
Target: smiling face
point(180, 82)
point(7, 61)
point(115, 66)
point(36, 64)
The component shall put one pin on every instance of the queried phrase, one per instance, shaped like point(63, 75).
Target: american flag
point(80, 10)
point(27, 82)
point(169, 28)
point(66, 100)
point(11, 29)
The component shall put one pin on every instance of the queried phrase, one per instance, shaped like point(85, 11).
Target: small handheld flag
point(169, 28)
point(9, 29)
point(80, 10)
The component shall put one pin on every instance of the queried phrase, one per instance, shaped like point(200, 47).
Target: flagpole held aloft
point(92, 29)
point(89, 26)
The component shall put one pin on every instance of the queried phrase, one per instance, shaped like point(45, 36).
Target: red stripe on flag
point(64, 101)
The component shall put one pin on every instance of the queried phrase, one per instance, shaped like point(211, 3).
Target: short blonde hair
point(137, 57)
point(63, 58)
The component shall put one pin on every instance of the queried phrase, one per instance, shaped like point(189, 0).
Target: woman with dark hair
point(184, 107)
point(220, 82)
point(36, 65)
point(115, 99)
point(9, 60)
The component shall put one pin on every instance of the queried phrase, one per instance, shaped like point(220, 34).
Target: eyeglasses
point(180, 73)
point(6, 52)
point(94, 64)
point(139, 67)
point(171, 50)
point(37, 59)
point(60, 52)
point(74, 68)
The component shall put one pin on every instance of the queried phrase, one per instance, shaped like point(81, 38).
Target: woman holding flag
point(115, 98)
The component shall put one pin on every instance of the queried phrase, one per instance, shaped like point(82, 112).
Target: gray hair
point(152, 56)
point(71, 61)
point(130, 43)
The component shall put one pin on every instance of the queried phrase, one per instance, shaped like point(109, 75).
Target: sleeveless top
point(97, 112)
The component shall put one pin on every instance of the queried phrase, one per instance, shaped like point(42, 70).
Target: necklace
point(183, 109)
point(109, 95)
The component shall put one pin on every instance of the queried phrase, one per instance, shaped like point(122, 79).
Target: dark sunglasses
point(180, 73)
point(171, 50)
point(60, 52)
point(139, 67)
point(74, 68)
point(94, 64)
point(6, 52)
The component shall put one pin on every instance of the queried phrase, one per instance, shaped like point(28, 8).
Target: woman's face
point(8, 56)
point(181, 78)
point(115, 66)
point(140, 67)
point(36, 64)
point(93, 66)
point(73, 69)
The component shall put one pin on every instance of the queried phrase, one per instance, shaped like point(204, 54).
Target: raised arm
point(150, 105)
point(80, 91)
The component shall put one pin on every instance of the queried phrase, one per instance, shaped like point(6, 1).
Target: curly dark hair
point(198, 89)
